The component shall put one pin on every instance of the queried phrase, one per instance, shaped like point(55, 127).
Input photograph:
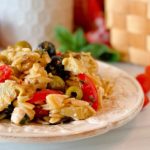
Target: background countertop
point(133, 136)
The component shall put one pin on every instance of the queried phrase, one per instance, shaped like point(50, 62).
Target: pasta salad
point(48, 87)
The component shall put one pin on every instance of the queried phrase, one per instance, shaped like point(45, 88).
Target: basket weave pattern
point(129, 24)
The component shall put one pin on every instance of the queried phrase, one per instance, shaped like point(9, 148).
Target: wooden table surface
point(133, 136)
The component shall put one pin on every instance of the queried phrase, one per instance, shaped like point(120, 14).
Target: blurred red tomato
point(85, 12)
point(89, 14)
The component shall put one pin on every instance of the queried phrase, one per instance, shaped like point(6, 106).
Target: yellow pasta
point(61, 105)
point(7, 93)
point(37, 76)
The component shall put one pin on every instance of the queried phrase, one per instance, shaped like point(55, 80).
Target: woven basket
point(129, 24)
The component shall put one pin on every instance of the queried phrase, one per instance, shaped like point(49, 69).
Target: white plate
point(127, 101)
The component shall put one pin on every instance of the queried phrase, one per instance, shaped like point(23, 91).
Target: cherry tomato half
point(144, 80)
point(40, 96)
point(5, 72)
point(89, 90)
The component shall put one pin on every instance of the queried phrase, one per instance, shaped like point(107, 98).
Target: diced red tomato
point(89, 90)
point(40, 96)
point(5, 72)
point(40, 113)
point(144, 80)
point(146, 101)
